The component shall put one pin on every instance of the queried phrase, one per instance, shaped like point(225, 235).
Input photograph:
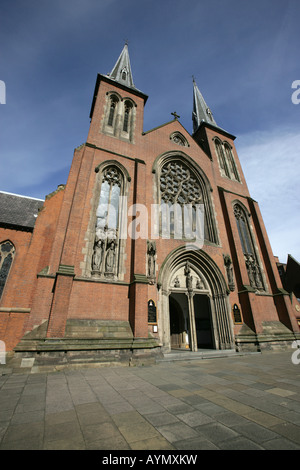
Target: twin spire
point(122, 70)
point(122, 74)
point(201, 112)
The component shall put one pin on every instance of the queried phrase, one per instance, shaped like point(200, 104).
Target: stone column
point(193, 332)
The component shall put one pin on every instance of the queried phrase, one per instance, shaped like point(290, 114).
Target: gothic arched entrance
point(194, 303)
point(179, 321)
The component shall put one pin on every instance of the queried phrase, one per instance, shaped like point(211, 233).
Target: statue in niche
point(189, 278)
point(97, 254)
point(199, 284)
point(257, 278)
point(151, 252)
point(229, 271)
point(187, 269)
point(176, 282)
point(110, 257)
point(249, 265)
point(189, 282)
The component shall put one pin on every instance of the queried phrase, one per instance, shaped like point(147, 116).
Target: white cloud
point(270, 160)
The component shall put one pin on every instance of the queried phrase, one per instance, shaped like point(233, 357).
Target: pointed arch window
point(119, 119)
point(124, 72)
point(250, 255)
point(108, 229)
point(222, 159)
point(112, 110)
point(226, 160)
point(230, 159)
point(184, 196)
point(127, 116)
point(7, 253)
point(179, 139)
point(108, 208)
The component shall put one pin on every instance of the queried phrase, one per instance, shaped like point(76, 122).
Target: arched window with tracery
point(250, 255)
point(127, 116)
point(7, 253)
point(222, 158)
point(184, 195)
point(112, 110)
point(119, 117)
point(226, 160)
point(231, 162)
point(108, 223)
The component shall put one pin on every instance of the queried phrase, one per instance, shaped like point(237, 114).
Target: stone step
point(177, 355)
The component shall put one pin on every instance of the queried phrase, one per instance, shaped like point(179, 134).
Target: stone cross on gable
point(175, 115)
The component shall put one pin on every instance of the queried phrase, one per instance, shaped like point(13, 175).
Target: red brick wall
point(32, 255)
point(61, 237)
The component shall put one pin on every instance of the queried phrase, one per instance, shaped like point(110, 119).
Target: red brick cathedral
point(154, 244)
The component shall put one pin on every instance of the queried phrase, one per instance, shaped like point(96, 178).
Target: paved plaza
point(243, 402)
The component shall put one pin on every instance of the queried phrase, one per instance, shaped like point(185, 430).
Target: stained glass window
point(113, 104)
point(108, 208)
point(250, 256)
point(127, 110)
point(7, 252)
point(181, 192)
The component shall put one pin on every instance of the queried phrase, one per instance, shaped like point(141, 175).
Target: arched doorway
point(203, 320)
point(179, 321)
point(194, 305)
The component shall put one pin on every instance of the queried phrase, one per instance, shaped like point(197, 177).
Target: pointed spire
point(201, 111)
point(122, 70)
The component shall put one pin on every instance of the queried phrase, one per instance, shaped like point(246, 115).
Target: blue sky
point(243, 54)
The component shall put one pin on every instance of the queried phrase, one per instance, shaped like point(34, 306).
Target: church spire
point(121, 72)
point(201, 111)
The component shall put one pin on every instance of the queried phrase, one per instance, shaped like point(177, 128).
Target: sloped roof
point(19, 211)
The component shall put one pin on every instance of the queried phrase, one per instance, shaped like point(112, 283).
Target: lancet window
point(222, 159)
point(119, 117)
point(231, 163)
point(127, 116)
point(105, 258)
point(250, 256)
point(112, 110)
point(7, 253)
point(226, 160)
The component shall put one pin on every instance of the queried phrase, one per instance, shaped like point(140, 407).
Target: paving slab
point(248, 402)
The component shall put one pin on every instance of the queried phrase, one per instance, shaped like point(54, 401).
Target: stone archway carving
point(194, 272)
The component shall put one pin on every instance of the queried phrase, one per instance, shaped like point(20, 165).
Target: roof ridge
point(21, 195)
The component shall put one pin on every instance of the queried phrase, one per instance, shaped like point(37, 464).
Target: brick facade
point(51, 288)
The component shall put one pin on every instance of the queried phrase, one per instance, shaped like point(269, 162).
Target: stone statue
point(176, 282)
point(229, 271)
point(189, 282)
point(249, 265)
point(151, 252)
point(187, 269)
point(98, 254)
point(110, 257)
point(189, 278)
point(257, 278)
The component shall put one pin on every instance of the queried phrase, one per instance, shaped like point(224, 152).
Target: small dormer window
point(124, 73)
